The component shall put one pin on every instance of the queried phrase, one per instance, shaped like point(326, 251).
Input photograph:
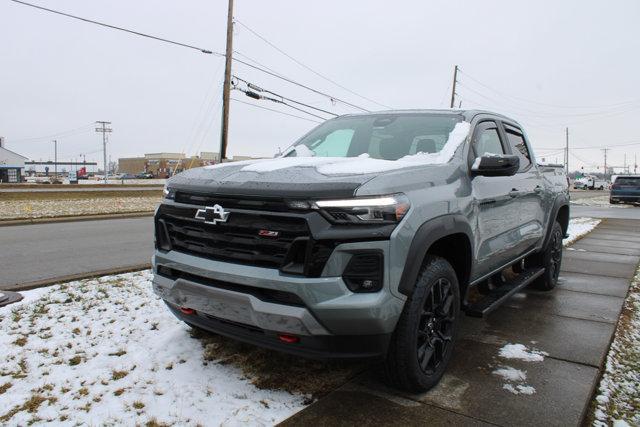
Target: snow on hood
point(360, 165)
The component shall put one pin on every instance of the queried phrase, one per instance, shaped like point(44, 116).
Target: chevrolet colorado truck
point(369, 237)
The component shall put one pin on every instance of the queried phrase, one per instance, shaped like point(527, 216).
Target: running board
point(497, 296)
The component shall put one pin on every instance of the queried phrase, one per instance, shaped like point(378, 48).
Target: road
point(37, 252)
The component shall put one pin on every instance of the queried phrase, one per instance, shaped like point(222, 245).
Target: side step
point(497, 296)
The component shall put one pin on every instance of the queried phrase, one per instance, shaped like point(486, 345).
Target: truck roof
point(467, 114)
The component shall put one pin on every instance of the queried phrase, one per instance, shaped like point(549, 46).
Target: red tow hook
point(289, 339)
point(188, 311)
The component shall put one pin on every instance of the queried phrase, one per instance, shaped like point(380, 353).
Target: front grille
point(273, 205)
point(236, 240)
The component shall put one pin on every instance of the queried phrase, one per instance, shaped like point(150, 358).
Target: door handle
point(514, 193)
point(538, 189)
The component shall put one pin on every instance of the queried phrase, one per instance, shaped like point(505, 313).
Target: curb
point(29, 221)
point(71, 277)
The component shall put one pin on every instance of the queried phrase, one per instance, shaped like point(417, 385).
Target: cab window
point(487, 140)
point(519, 147)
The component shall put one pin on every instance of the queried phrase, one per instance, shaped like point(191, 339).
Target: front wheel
point(421, 345)
point(550, 258)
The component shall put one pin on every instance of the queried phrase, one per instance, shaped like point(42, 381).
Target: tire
point(422, 343)
point(613, 202)
point(550, 258)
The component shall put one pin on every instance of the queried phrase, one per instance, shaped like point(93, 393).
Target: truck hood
point(268, 178)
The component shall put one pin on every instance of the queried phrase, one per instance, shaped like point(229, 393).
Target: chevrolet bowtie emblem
point(212, 215)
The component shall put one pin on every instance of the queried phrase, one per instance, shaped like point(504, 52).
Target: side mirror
point(496, 165)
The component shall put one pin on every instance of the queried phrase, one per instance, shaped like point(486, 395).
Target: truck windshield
point(380, 136)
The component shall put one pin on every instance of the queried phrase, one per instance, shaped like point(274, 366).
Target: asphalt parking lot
point(571, 327)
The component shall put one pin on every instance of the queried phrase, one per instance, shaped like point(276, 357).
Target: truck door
point(527, 192)
point(496, 212)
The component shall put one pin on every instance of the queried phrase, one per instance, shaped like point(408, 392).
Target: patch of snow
point(519, 389)
point(578, 227)
point(521, 352)
point(511, 374)
point(107, 351)
point(303, 151)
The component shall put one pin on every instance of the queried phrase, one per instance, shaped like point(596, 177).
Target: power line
point(281, 77)
point(264, 39)
point(117, 28)
point(69, 132)
point(275, 111)
point(255, 95)
point(260, 89)
point(541, 103)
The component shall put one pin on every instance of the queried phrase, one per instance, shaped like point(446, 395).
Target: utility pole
point(635, 163)
point(226, 89)
point(605, 162)
point(55, 159)
point(566, 151)
point(104, 130)
point(453, 88)
point(624, 165)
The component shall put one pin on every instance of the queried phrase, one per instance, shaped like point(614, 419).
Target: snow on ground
point(578, 227)
point(598, 200)
point(47, 208)
point(521, 352)
point(618, 396)
point(515, 379)
point(107, 351)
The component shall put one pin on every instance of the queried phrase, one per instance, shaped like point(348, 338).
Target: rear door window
point(635, 181)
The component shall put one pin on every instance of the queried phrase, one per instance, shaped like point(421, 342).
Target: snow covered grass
point(65, 205)
point(578, 227)
point(596, 200)
point(618, 396)
point(107, 351)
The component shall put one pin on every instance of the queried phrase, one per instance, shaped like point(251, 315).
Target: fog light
point(364, 272)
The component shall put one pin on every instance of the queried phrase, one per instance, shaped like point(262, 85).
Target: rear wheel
point(613, 202)
point(550, 258)
point(422, 343)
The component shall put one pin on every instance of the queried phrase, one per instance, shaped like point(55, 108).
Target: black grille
point(236, 240)
point(273, 205)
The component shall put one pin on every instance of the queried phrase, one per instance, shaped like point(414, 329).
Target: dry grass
point(272, 370)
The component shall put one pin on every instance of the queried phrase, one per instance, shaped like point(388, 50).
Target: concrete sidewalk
point(574, 324)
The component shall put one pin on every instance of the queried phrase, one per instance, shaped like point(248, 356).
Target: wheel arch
point(449, 237)
point(560, 213)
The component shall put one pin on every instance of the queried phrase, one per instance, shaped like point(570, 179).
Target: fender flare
point(425, 236)
point(560, 202)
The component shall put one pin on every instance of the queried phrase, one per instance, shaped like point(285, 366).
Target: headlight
point(367, 210)
point(169, 193)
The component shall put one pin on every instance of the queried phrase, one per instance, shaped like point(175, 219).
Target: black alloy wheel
point(435, 327)
point(422, 344)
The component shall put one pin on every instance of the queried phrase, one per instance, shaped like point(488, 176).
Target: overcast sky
point(548, 64)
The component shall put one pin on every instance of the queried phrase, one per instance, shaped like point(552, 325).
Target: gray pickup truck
point(368, 237)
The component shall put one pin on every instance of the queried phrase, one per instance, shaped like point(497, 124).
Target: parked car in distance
point(369, 237)
point(144, 175)
point(127, 176)
point(625, 189)
point(590, 183)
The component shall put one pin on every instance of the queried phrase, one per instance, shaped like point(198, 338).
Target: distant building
point(163, 165)
point(11, 164)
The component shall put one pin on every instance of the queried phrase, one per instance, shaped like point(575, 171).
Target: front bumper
point(329, 319)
